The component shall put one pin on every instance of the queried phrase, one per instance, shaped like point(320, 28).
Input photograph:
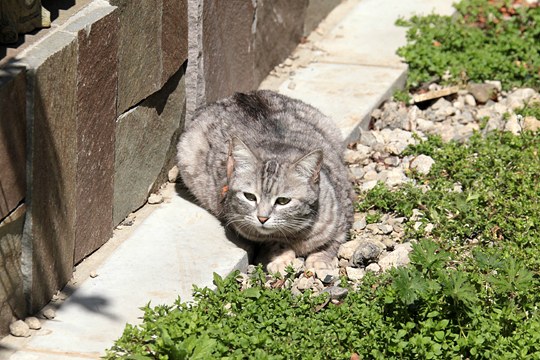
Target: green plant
point(485, 40)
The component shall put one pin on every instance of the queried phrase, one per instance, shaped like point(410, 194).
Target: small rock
point(370, 138)
point(327, 275)
point(469, 100)
point(395, 177)
point(251, 269)
point(366, 252)
point(360, 223)
point(512, 125)
point(49, 313)
point(355, 274)
point(354, 157)
point(374, 267)
point(497, 84)
point(336, 292)
point(172, 175)
point(396, 258)
point(33, 323)
point(442, 103)
point(531, 123)
point(422, 164)
point(392, 161)
point(357, 172)
point(305, 283)
point(482, 92)
point(19, 329)
point(292, 85)
point(368, 185)
point(93, 274)
point(386, 228)
point(424, 125)
point(343, 263)
point(346, 250)
point(154, 199)
point(371, 175)
point(129, 221)
point(519, 97)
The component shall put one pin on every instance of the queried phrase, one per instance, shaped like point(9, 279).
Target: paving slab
point(346, 93)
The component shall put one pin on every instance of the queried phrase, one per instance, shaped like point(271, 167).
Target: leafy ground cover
point(471, 291)
point(483, 41)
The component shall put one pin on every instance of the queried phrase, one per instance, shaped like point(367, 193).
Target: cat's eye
point(250, 196)
point(283, 200)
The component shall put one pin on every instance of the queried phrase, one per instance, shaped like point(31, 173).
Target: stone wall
point(90, 115)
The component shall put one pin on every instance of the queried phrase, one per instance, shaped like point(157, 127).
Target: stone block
point(227, 47)
point(279, 29)
point(97, 35)
point(139, 53)
point(12, 303)
point(174, 37)
point(146, 137)
point(316, 11)
point(52, 79)
point(12, 138)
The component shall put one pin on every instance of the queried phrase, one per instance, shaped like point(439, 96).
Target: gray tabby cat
point(271, 168)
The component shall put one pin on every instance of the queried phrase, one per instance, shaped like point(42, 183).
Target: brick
point(97, 33)
point(146, 137)
point(174, 37)
point(139, 53)
point(279, 29)
point(12, 302)
point(12, 138)
point(52, 77)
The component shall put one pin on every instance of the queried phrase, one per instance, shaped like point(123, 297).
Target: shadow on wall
point(12, 137)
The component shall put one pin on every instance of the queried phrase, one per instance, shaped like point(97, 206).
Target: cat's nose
point(262, 219)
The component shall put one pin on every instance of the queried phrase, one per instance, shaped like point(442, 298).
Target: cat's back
point(268, 123)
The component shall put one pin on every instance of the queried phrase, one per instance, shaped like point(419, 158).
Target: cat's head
point(273, 197)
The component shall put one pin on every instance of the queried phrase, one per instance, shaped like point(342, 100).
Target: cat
point(271, 168)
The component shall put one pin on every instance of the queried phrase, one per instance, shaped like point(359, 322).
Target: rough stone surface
point(316, 11)
point(12, 303)
point(279, 29)
point(150, 131)
point(174, 37)
point(12, 138)
point(97, 35)
point(227, 47)
point(53, 165)
point(139, 54)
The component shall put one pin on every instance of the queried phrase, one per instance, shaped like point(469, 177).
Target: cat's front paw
point(321, 261)
point(280, 262)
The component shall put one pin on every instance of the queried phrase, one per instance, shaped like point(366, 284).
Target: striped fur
point(271, 168)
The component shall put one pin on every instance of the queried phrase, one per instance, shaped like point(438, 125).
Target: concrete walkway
point(347, 68)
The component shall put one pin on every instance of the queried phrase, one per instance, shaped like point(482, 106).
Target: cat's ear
point(309, 166)
point(240, 157)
